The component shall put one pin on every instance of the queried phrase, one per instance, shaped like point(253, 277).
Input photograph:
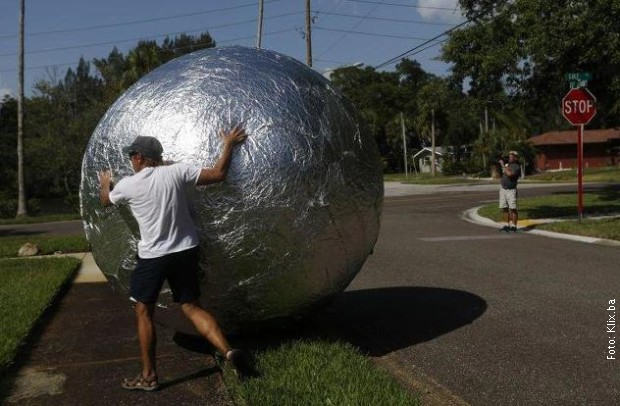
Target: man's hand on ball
point(105, 178)
point(235, 136)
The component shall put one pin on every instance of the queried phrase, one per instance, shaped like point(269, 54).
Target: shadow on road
point(380, 321)
point(377, 321)
point(18, 233)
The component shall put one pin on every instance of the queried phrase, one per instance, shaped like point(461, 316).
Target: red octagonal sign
point(579, 106)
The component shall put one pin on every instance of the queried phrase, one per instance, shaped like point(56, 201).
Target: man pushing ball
point(168, 249)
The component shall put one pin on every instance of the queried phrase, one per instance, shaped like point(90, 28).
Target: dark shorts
point(180, 269)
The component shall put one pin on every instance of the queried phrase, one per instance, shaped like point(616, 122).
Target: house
point(558, 149)
point(422, 159)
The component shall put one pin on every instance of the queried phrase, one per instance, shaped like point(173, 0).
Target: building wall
point(552, 157)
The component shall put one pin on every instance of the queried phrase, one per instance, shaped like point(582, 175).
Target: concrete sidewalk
point(86, 344)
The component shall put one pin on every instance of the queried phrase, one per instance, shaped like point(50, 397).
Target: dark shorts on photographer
point(180, 269)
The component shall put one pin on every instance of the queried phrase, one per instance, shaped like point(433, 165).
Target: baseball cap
point(148, 147)
point(515, 153)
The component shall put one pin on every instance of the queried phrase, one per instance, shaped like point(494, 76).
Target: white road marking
point(467, 237)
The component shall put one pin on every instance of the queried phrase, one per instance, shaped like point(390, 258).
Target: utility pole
point(402, 124)
point(259, 35)
point(308, 35)
point(21, 199)
point(433, 167)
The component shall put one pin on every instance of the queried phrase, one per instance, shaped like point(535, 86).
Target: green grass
point(564, 206)
point(48, 244)
point(603, 202)
point(318, 373)
point(40, 219)
point(606, 175)
point(603, 228)
point(427, 179)
point(27, 287)
point(609, 174)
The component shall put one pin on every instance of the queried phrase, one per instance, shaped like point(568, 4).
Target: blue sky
point(344, 32)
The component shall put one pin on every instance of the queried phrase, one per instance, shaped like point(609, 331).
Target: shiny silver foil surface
point(300, 209)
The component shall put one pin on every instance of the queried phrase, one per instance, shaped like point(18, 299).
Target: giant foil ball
point(299, 211)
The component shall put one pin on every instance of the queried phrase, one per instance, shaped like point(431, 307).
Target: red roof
point(570, 137)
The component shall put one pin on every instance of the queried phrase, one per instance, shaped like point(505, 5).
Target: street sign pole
point(580, 171)
point(578, 107)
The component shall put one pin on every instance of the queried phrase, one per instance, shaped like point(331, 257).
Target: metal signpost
point(579, 107)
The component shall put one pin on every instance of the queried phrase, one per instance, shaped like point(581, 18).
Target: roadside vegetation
point(598, 206)
point(591, 175)
point(48, 244)
point(316, 372)
point(27, 288)
point(48, 218)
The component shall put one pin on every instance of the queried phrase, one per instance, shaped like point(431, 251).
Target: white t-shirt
point(159, 202)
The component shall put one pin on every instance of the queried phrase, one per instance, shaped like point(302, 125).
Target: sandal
point(140, 383)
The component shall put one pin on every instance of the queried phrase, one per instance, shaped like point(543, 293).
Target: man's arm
point(218, 173)
point(105, 181)
point(506, 168)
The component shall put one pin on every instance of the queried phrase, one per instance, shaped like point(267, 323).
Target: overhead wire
point(147, 37)
point(401, 5)
point(369, 33)
point(351, 28)
point(393, 20)
point(406, 53)
point(161, 51)
point(134, 22)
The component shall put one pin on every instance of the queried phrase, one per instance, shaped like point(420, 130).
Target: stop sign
point(579, 106)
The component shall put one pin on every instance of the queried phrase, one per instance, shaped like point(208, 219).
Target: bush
point(8, 207)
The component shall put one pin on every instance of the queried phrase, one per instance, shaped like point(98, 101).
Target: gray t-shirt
point(510, 182)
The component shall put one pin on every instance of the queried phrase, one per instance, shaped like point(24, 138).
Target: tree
point(523, 48)
point(381, 97)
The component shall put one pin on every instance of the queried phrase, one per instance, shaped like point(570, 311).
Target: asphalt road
point(490, 318)
point(57, 228)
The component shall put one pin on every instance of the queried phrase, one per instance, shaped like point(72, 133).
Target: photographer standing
point(511, 172)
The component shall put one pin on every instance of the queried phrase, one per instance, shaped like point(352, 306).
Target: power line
point(406, 53)
point(411, 51)
point(133, 22)
point(353, 27)
point(393, 20)
point(147, 37)
point(369, 33)
point(172, 49)
point(402, 5)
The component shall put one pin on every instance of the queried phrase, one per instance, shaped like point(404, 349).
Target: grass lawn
point(40, 219)
point(603, 202)
point(427, 179)
point(603, 228)
point(48, 244)
point(605, 175)
point(564, 206)
point(27, 287)
point(318, 373)
point(608, 175)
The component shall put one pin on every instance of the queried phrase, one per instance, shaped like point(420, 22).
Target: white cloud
point(4, 91)
point(435, 10)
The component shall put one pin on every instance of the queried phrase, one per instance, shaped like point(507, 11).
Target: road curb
point(472, 216)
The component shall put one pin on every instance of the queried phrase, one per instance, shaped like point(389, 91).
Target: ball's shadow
point(377, 321)
point(380, 321)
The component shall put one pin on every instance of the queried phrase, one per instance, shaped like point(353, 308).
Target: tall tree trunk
point(21, 199)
